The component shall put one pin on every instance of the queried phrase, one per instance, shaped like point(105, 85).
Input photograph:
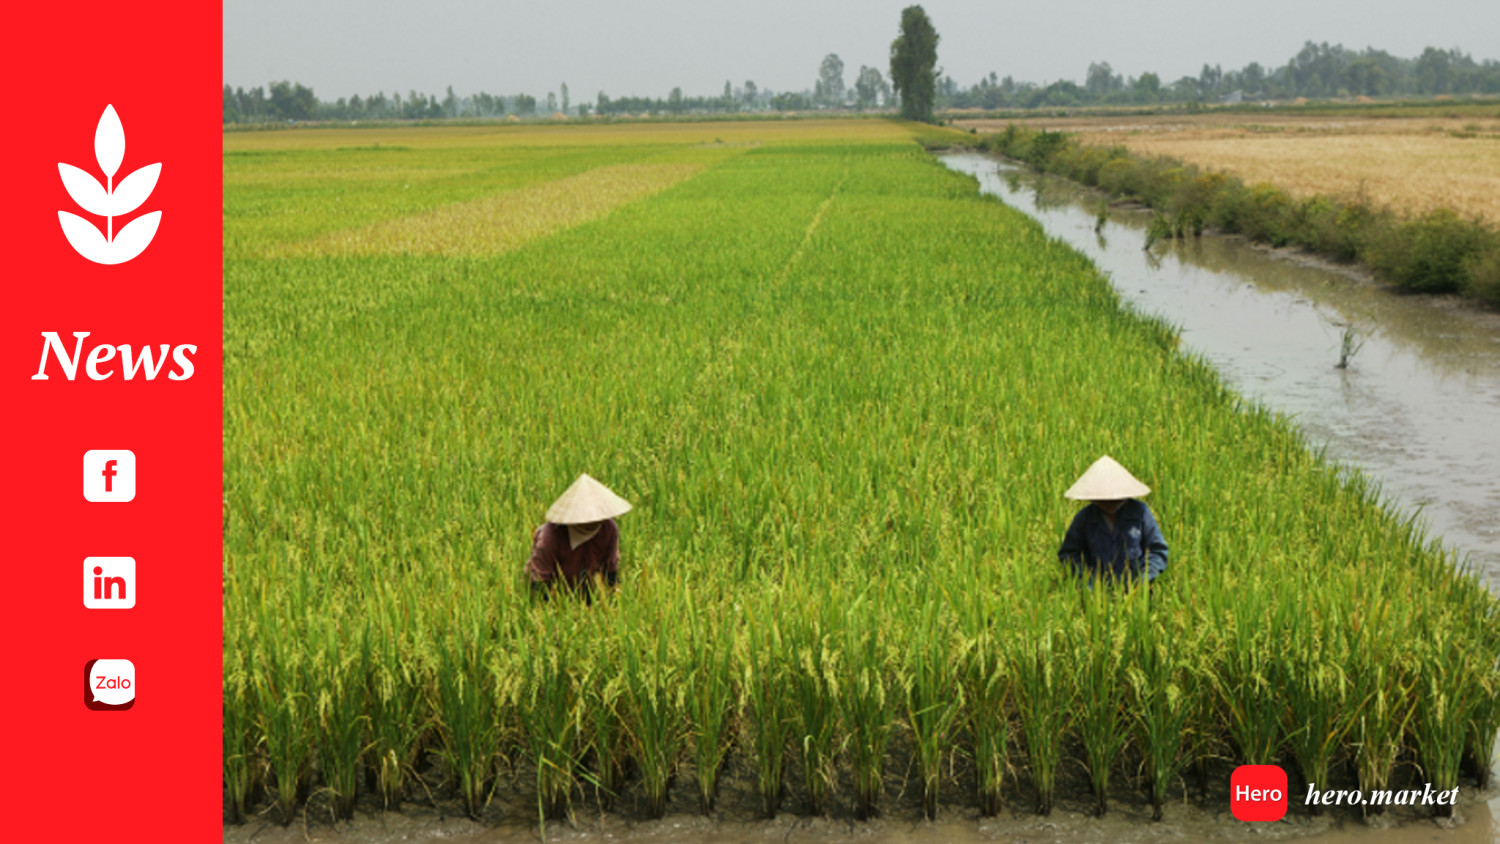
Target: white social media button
point(109, 475)
point(109, 583)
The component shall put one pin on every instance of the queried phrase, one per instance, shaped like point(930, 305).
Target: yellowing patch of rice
point(504, 221)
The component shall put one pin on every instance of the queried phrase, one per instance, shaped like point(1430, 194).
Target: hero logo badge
point(109, 200)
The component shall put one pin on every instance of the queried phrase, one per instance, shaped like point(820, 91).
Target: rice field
point(1412, 165)
point(844, 393)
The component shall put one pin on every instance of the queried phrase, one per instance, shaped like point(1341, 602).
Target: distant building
point(1233, 98)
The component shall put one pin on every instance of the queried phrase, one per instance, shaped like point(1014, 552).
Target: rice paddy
point(844, 393)
point(1411, 165)
point(501, 222)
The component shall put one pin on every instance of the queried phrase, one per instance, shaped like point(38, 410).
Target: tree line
point(1316, 71)
point(293, 101)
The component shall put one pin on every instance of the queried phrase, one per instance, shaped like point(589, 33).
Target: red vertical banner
point(110, 366)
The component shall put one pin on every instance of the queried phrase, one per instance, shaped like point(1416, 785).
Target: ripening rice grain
point(505, 221)
point(1099, 675)
point(1412, 173)
point(470, 723)
point(767, 712)
point(867, 702)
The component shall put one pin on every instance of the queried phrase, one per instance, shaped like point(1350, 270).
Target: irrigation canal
point(1417, 408)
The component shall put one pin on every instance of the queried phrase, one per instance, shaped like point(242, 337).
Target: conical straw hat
point(1106, 480)
point(586, 501)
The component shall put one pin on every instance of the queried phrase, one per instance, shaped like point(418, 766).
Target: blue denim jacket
point(1133, 548)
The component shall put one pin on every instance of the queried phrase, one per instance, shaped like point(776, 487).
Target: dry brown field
point(1410, 164)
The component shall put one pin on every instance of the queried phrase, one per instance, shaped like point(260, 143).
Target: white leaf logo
point(109, 142)
point(108, 200)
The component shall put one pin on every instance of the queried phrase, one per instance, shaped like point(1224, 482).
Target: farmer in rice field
point(1116, 536)
point(579, 543)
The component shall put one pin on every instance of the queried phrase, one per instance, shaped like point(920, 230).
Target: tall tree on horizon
point(831, 80)
point(867, 87)
point(913, 59)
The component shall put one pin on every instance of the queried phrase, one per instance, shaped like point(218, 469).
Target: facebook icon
point(108, 475)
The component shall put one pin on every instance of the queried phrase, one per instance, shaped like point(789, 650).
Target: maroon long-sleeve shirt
point(552, 556)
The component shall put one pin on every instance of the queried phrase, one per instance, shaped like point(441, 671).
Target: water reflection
point(1417, 406)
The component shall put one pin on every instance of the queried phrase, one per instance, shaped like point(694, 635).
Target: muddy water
point(1418, 406)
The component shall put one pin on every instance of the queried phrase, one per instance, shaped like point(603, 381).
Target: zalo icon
point(109, 684)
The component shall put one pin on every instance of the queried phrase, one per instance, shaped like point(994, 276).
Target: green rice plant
point(711, 699)
point(1484, 723)
point(337, 679)
point(468, 720)
point(285, 715)
point(1381, 696)
point(1044, 698)
point(934, 696)
point(397, 695)
point(987, 692)
point(866, 702)
point(1316, 687)
point(1444, 706)
point(602, 688)
point(1098, 672)
point(1245, 673)
point(241, 766)
point(1205, 739)
point(655, 697)
point(1389, 703)
point(814, 687)
point(1484, 667)
point(548, 707)
point(1161, 694)
point(984, 672)
point(1351, 340)
point(767, 706)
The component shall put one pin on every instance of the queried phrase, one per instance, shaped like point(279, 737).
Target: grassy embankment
point(1435, 250)
point(845, 393)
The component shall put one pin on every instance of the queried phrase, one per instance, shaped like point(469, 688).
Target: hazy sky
point(344, 47)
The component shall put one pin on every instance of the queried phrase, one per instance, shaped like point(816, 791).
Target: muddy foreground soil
point(1192, 815)
point(1476, 824)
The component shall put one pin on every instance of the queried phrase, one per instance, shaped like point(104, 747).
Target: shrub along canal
point(1417, 405)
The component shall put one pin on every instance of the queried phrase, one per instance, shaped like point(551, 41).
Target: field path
point(812, 226)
